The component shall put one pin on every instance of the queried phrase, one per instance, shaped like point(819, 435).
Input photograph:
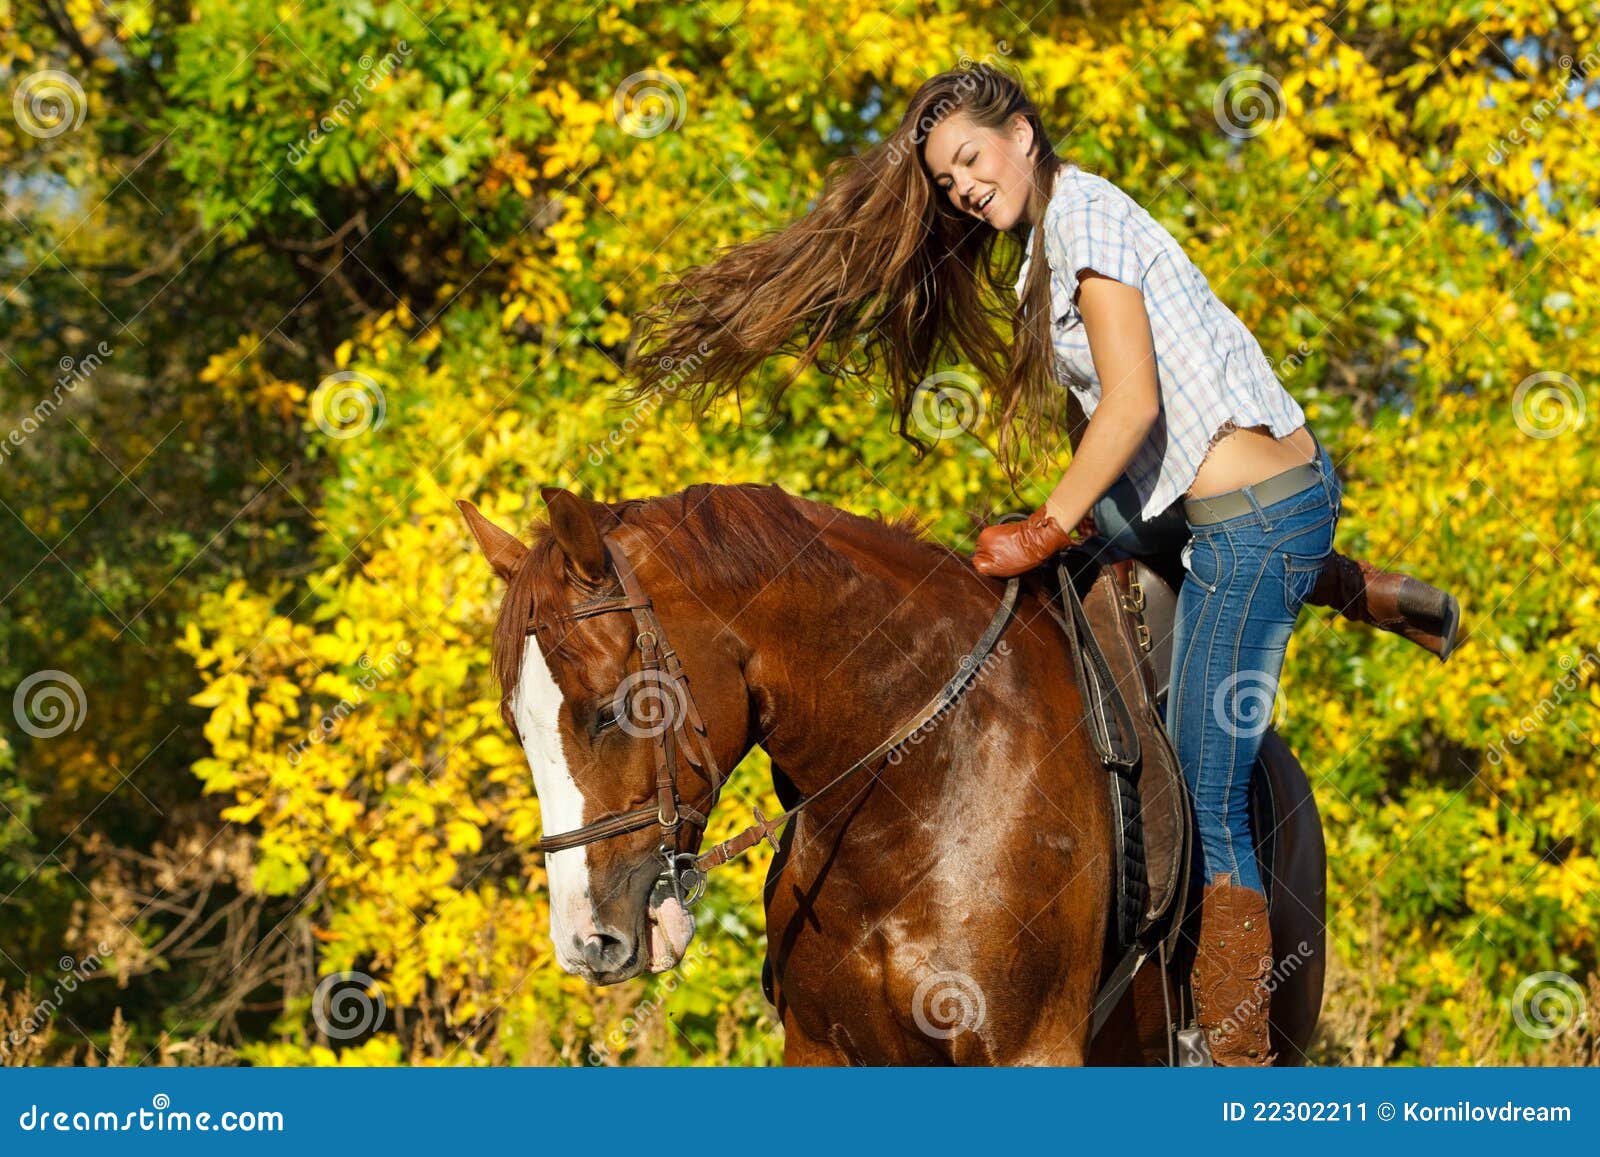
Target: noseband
point(684, 872)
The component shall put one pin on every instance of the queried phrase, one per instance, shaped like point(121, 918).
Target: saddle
point(1117, 611)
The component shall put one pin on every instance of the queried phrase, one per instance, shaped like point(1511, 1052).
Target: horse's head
point(591, 718)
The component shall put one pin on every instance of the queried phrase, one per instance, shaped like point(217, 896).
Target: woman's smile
point(985, 173)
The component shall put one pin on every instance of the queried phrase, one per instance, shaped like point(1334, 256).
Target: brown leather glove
point(1013, 548)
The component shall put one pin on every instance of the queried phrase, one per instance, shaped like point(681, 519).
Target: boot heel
point(1390, 601)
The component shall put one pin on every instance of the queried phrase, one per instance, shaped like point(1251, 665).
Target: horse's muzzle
point(606, 952)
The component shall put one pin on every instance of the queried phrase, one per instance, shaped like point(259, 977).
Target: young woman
point(1182, 436)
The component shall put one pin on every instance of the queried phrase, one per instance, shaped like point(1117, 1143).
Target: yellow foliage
point(414, 813)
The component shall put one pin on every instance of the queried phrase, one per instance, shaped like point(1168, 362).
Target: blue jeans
point(1117, 519)
point(1245, 579)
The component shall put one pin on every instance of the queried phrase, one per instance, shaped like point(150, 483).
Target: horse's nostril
point(604, 952)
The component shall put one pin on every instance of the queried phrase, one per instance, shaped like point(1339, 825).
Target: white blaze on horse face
point(537, 708)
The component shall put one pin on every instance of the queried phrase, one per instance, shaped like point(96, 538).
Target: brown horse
point(952, 909)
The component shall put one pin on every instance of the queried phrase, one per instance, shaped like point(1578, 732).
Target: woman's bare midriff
point(1247, 456)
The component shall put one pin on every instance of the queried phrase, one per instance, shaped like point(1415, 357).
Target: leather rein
point(684, 730)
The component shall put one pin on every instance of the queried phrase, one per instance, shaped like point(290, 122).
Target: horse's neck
point(836, 673)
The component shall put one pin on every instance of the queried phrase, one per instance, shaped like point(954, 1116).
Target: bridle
point(660, 664)
point(684, 873)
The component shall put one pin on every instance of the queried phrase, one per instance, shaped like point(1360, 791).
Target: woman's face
point(985, 173)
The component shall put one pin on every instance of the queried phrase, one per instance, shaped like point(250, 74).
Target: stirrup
point(1193, 1051)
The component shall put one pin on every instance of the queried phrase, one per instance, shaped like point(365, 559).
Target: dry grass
point(1362, 1025)
point(29, 1036)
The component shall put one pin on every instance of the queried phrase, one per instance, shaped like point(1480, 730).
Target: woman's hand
point(1012, 548)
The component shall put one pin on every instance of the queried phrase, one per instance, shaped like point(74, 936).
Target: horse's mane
point(735, 538)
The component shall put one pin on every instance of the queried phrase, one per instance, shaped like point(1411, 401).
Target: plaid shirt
point(1209, 368)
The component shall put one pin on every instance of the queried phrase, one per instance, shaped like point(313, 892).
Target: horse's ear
point(572, 522)
point(502, 548)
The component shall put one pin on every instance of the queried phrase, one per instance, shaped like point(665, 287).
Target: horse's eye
point(605, 715)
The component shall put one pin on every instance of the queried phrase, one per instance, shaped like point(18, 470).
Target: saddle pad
point(1117, 591)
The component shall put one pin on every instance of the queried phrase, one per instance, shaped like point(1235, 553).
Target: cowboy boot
point(1232, 996)
point(1390, 601)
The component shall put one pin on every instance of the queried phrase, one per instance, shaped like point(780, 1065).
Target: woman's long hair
point(883, 265)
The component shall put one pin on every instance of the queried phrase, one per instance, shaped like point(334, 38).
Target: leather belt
point(1232, 503)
